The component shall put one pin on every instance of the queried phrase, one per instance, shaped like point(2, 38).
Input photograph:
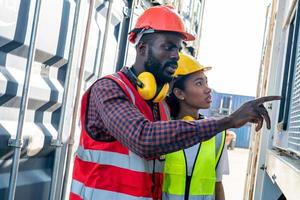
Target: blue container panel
point(237, 100)
point(242, 136)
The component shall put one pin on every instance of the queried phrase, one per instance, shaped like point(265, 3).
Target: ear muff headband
point(162, 93)
point(149, 87)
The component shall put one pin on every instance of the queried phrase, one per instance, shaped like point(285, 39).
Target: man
point(123, 117)
point(230, 139)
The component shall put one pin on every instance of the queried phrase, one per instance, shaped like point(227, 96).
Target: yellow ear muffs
point(148, 88)
point(162, 93)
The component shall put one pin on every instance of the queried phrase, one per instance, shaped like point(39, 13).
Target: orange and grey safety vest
point(201, 184)
point(109, 170)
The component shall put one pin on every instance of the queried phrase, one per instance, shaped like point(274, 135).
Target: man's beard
point(153, 66)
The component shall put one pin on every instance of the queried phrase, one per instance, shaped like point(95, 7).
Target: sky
point(231, 42)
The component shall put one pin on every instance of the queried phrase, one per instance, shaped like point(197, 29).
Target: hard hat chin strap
point(140, 34)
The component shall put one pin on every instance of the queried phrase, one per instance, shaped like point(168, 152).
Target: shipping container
point(274, 163)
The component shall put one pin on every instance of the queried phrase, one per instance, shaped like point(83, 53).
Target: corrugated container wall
point(45, 94)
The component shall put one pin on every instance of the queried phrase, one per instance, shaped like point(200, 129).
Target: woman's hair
point(171, 99)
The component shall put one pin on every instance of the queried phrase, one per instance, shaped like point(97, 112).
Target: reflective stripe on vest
point(89, 193)
point(203, 178)
point(130, 161)
point(127, 88)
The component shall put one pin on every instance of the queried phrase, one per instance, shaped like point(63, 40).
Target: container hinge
point(56, 143)
point(126, 12)
point(15, 143)
point(274, 177)
point(263, 167)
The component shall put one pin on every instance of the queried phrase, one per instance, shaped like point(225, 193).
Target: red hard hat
point(160, 18)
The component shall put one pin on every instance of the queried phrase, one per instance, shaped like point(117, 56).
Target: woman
point(195, 172)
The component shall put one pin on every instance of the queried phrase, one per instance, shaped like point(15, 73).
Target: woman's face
point(196, 93)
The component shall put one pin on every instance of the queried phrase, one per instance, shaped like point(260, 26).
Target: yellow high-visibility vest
point(203, 177)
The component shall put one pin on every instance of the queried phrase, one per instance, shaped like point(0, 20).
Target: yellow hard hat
point(188, 64)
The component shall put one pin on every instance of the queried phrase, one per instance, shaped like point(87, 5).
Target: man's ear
point(178, 93)
point(141, 48)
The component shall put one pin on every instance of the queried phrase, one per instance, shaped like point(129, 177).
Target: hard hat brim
point(204, 69)
point(188, 36)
